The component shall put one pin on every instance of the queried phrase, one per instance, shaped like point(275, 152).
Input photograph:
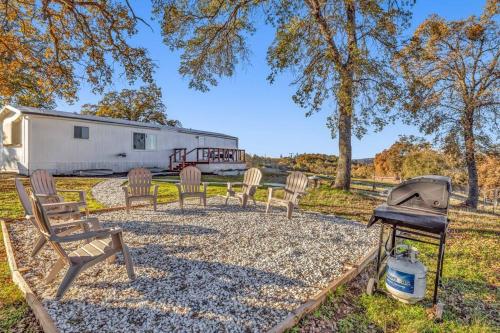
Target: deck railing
point(206, 155)
point(220, 155)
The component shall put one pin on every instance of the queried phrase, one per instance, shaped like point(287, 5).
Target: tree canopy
point(338, 50)
point(389, 162)
point(144, 104)
point(452, 75)
point(49, 47)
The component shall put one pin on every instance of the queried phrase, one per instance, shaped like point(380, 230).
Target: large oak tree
point(338, 50)
point(49, 47)
point(453, 77)
point(144, 104)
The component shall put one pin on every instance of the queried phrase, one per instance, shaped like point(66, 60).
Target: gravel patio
point(205, 270)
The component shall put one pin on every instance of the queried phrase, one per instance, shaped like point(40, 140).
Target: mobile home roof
point(115, 121)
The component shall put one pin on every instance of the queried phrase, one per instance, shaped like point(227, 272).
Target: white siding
point(53, 147)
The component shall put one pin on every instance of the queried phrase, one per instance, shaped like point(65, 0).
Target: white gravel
point(109, 192)
point(219, 269)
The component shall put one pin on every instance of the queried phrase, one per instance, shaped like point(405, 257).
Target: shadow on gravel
point(165, 228)
point(209, 291)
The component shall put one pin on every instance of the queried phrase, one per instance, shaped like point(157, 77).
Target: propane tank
point(406, 277)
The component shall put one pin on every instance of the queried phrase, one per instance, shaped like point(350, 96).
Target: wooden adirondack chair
point(191, 186)
point(106, 244)
point(65, 217)
point(251, 180)
point(295, 188)
point(139, 188)
point(43, 185)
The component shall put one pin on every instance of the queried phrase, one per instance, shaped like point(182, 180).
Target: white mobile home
point(66, 143)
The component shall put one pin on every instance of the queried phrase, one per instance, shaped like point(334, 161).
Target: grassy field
point(471, 279)
point(471, 268)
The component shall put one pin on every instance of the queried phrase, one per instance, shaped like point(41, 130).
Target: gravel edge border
point(296, 315)
point(44, 319)
point(293, 318)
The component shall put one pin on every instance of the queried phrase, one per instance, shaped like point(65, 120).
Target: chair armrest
point(69, 191)
point(72, 191)
point(48, 196)
point(155, 190)
point(205, 184)
point(61, 204)
point(91, 220)
point(87, 235)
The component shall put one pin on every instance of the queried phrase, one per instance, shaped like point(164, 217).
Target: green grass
point(11, 208)
point(13, 307)
point(471, 269)
point(471, 273)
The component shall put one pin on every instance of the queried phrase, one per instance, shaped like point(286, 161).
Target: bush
point(363, 171)
point(423, 162)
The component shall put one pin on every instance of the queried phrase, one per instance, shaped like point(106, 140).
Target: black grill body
point(417, 207)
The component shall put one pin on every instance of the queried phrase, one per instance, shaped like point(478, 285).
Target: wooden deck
point(181, 158)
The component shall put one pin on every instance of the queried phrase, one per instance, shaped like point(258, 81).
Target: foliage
point(363, 171)
point(451, 70)
point(316, 163)
point(48, 47)
point(144, 104)
point(423, 162)
point(337, 49)
point(260, 161)
point(389, 162)
point(489, 172)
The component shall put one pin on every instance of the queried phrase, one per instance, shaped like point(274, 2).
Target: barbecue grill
point(416, 210)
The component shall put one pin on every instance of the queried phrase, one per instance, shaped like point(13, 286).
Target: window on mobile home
point(12, 130)
point(143, 141)
point(81, 132)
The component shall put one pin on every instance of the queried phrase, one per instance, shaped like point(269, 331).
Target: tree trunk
point(470, 160)
point(345, 101)
point(343, 178)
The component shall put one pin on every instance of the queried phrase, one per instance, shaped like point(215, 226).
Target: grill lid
point(418, 203)
point(428, 193)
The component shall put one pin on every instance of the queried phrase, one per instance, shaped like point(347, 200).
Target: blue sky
point(263, 116)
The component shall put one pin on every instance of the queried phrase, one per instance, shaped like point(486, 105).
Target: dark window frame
point(139, 145)
point(81, 132)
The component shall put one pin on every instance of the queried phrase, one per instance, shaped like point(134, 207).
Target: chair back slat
point(140, 180)
point(43, 224)
point(295, 182)
point(23, 197)
point(42, 182)
point(251, 178)
point(190, 179)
